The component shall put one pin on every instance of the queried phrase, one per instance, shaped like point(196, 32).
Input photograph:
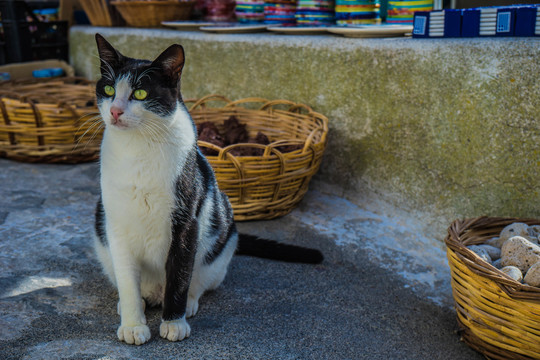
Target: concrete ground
point(360, 303)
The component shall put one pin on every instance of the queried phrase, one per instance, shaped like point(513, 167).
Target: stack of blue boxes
point(517, 20)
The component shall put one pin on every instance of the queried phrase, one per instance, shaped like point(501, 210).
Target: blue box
point(514, 20)
point(452, 23)
point(421, 24)
point(445, 23)
point(525, 21)
point(506, 20)
point(488, 21)
point(470, 22)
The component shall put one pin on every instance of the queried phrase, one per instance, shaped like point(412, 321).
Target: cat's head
point(133, 94)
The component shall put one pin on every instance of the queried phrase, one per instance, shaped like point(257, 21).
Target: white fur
point(139, 166)
point(175, 330)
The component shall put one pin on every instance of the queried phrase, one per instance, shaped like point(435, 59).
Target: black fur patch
point(223, 226)
point(190, 194)
point(100, 222)
point(179, 268)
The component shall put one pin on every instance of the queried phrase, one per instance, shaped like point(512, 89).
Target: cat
point(165, 233)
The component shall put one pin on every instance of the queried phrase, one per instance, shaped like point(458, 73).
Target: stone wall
point(430, 129)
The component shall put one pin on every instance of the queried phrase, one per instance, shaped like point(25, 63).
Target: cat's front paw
point(175, 330)
point(137, 335)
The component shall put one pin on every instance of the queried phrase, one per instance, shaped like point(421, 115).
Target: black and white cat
point(165, 232)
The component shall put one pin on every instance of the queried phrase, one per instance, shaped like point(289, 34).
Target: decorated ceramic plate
point(372, 31)
point(299, 30)
point(186, 25)
point(235, 28)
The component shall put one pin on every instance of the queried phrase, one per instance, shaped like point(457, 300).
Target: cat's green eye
point(109, 90)
point(140, 94)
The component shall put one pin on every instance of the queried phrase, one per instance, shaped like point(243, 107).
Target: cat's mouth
point(119, 124)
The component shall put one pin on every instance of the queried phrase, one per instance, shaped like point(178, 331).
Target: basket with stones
point(495, 267)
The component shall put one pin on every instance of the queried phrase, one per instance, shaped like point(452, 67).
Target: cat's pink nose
point(116, 112)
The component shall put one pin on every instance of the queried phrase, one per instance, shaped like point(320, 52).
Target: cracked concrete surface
point(55, 302)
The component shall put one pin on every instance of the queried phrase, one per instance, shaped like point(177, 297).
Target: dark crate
point(30, 40)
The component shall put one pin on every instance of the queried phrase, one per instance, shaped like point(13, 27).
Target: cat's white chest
point(138, 197)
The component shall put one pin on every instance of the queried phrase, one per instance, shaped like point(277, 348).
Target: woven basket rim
point(471, 231)
point(272, 184)
point(48, 120)
point(265, 105)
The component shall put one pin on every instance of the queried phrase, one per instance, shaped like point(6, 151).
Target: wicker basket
point(151, 13)
point(271, 185)
point(498, 316)
point(49, 120)
point(98, 12)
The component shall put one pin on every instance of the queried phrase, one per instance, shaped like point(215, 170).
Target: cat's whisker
point(94, 120)
point(90, 117)
point(100, 125)
point(155, 138)
point(145, 73)
point(97, 131)
point(157, 126)
point(108, 71)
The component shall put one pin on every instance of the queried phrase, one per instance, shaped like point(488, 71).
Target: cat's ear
point(108, 55)
point(171, 61)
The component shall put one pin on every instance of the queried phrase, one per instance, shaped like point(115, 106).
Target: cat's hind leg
point(152, 287)
point(104, 257)
point(208, 276)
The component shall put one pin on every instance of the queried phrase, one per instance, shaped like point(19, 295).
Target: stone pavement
point(56, 304)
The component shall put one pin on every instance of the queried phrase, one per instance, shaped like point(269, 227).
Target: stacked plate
point(314, 13)
point(280, 12)
point(219, 10)
point(402, 12)
point(249, 11)
point(357, 12)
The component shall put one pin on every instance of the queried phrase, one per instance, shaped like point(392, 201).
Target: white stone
point(520, 252)
point(480, 252)
point(513, 272)
point(534, 233)
point(514, 229)
point(493, 252)
point(533, 275)
point(495, 242)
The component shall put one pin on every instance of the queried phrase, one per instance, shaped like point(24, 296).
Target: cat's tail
point(269, 249)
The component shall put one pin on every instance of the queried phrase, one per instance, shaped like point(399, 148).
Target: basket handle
point(323, 129)
point(247, 100)
point(7, 121)
point(268, 150)
point(293, 107)
point(202, 101)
